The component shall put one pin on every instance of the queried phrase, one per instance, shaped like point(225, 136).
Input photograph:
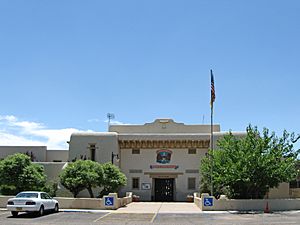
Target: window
point(135, 171)
point(92, 148)
point(47, 196)
point(191, 183)
point(192, 171)
point(295, 184)
point(135, 183)
point(192, 151)
point(43, 196)
point(135, 151)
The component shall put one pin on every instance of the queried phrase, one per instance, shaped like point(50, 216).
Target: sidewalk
point(160, 207)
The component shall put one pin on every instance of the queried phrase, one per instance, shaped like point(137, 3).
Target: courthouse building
point(161, 160)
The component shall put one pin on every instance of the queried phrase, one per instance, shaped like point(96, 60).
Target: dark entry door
point(164, 190)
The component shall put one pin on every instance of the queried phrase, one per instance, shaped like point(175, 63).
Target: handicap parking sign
point(208, 202)
point(109, 201)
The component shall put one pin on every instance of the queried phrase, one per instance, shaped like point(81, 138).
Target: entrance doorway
point(164, 190)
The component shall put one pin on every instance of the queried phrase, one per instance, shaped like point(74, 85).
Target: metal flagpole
point(211, 149)
point(212, 99)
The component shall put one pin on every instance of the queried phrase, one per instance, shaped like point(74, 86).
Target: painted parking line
point(155, 215)
point(96, 220)
point(127, 218)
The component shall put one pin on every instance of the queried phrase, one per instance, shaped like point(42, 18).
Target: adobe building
point(161, 160)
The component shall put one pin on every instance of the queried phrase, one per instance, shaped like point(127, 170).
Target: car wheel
point(56, 208)
point(41, 211)
point(14, 213)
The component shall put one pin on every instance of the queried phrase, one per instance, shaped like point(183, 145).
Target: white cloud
point(94, 120)
point(17, 132)
point(10, 139)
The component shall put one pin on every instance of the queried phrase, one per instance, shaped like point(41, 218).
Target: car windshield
point(27, 195)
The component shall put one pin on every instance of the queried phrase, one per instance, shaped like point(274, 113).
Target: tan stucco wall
point(295, 192)
point(163, 126)
point(52, 169)
point(57, 155)
point(38, 151)
point(147, 157)
point(248, 204)
point(106, 143)
point(83, 203)
point(282, 191)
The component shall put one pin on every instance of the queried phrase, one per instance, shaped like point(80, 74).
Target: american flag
point(212, 90)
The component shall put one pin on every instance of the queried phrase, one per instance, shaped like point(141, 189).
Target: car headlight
point(10, 203)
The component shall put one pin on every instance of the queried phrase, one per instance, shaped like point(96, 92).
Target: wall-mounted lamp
point(113, 156)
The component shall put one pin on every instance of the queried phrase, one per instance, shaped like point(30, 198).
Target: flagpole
point(212, 99)
point(211, 149)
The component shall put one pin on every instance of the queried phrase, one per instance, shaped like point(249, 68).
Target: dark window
point(92, 148)
point(191, 183)
point(295, 184)
point(47, 196)
point(135, 183)
point(192, 151)
point(43, 196)
point(192, 171)
point(136, 151)
point(135, 171)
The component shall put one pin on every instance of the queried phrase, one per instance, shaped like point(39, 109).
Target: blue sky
point(65, 64)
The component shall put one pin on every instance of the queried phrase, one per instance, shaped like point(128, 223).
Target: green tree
point(80, 175)
point(18, 173)
point(248, 167)
point(113, 179)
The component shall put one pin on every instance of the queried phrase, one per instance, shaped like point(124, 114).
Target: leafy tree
point(80, 175)
point(113, 179)
point(18, 173)
point(51, 188)
point(248, 167)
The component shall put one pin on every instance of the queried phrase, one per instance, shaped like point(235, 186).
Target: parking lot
point(115, 217)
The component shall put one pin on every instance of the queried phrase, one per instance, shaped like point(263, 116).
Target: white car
point(32, 201)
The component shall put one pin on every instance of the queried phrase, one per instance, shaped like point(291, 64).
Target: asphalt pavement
point(152, 213)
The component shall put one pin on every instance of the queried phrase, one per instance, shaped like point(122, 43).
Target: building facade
point(161, 160)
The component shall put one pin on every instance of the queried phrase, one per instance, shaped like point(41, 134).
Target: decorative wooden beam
point(154, 144)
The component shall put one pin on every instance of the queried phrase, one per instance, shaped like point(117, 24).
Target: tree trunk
point(90, 192)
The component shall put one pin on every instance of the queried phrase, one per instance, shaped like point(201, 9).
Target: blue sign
point(208, 202)
point(109, 201)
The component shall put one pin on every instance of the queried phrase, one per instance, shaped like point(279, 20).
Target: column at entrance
point(164, 189)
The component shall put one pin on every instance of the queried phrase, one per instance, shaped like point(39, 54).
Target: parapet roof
point(161, 126)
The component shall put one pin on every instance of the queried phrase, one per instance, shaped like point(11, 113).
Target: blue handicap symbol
point(208, 202)
point(109, 201)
